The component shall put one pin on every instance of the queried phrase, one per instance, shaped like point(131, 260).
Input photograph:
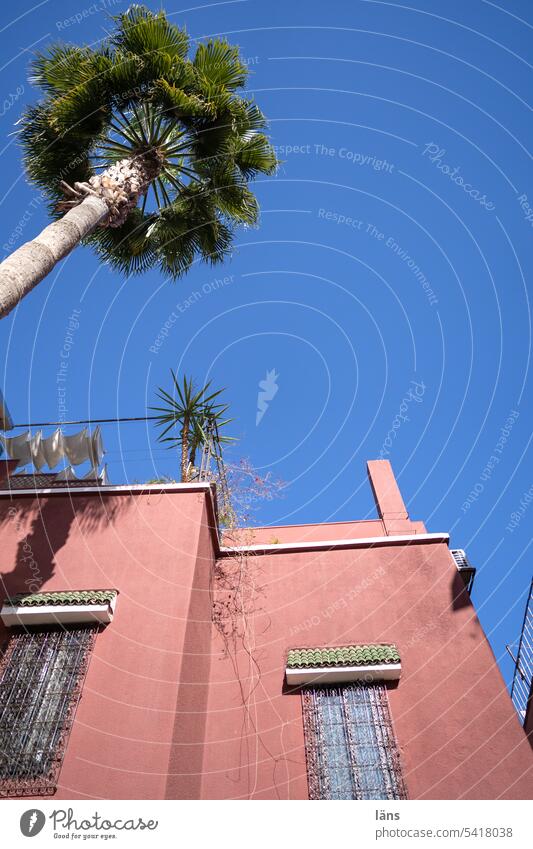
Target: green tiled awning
point(360, 655)
point(72, 597)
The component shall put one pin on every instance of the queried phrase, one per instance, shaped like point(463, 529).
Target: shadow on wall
point(460, 594)
point(51, 521)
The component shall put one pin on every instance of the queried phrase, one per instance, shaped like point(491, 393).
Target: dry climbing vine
point(235, 590)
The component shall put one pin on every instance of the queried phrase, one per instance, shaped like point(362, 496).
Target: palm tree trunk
point(185, 451)
point(105, 200)
point(29, 264)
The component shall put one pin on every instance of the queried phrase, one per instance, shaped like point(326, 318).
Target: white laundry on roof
point(37, 451)
point(77, 449)
point(96, 447)
point(53, 448)
point(18, 447)
point(68, 474)
point(103, 477)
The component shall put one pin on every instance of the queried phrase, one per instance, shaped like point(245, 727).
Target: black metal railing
point(523, 672)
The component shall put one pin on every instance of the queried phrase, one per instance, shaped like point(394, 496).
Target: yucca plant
point(145, 153)
point(190, 416)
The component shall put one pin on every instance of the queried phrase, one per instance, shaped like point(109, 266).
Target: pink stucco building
point(342, 660)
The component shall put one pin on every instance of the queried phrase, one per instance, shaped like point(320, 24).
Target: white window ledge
point(343, 674)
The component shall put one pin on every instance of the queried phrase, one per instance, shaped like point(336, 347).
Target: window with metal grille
point(41, 676)
point(351, 751)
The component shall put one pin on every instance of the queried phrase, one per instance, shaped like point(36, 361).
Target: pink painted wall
point(152, 548)
point(306, 533)
point(176, 707)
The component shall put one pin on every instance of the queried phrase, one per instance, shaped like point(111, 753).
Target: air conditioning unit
point(464, 567)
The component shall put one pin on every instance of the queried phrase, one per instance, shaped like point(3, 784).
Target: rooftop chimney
point(389, 502)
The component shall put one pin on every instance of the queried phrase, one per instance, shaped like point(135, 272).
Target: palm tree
point(143, 152)
point(195, 414)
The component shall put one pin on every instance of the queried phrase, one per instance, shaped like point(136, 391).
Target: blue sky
point(387, 284)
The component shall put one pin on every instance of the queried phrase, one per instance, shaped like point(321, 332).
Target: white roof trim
point(122, 488)
point(57, 614)
point(319, 545)
point(342, 674)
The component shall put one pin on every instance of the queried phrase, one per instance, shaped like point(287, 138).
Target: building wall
point(528, 722)
point(458, 733)
point(152, 548)
point(185, 694)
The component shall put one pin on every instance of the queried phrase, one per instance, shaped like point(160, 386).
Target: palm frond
point(63, 67)
point(254, 155)
point(142, 32)
point(175, 101)
point(128, 248)
point(220, 64)
point(237, 203)
point(247, 117)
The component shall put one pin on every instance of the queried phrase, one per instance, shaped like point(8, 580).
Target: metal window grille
point(351, 750)
point(41, 677)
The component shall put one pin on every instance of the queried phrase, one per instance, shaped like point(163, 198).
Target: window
point(41, 676)
point(350, 747)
